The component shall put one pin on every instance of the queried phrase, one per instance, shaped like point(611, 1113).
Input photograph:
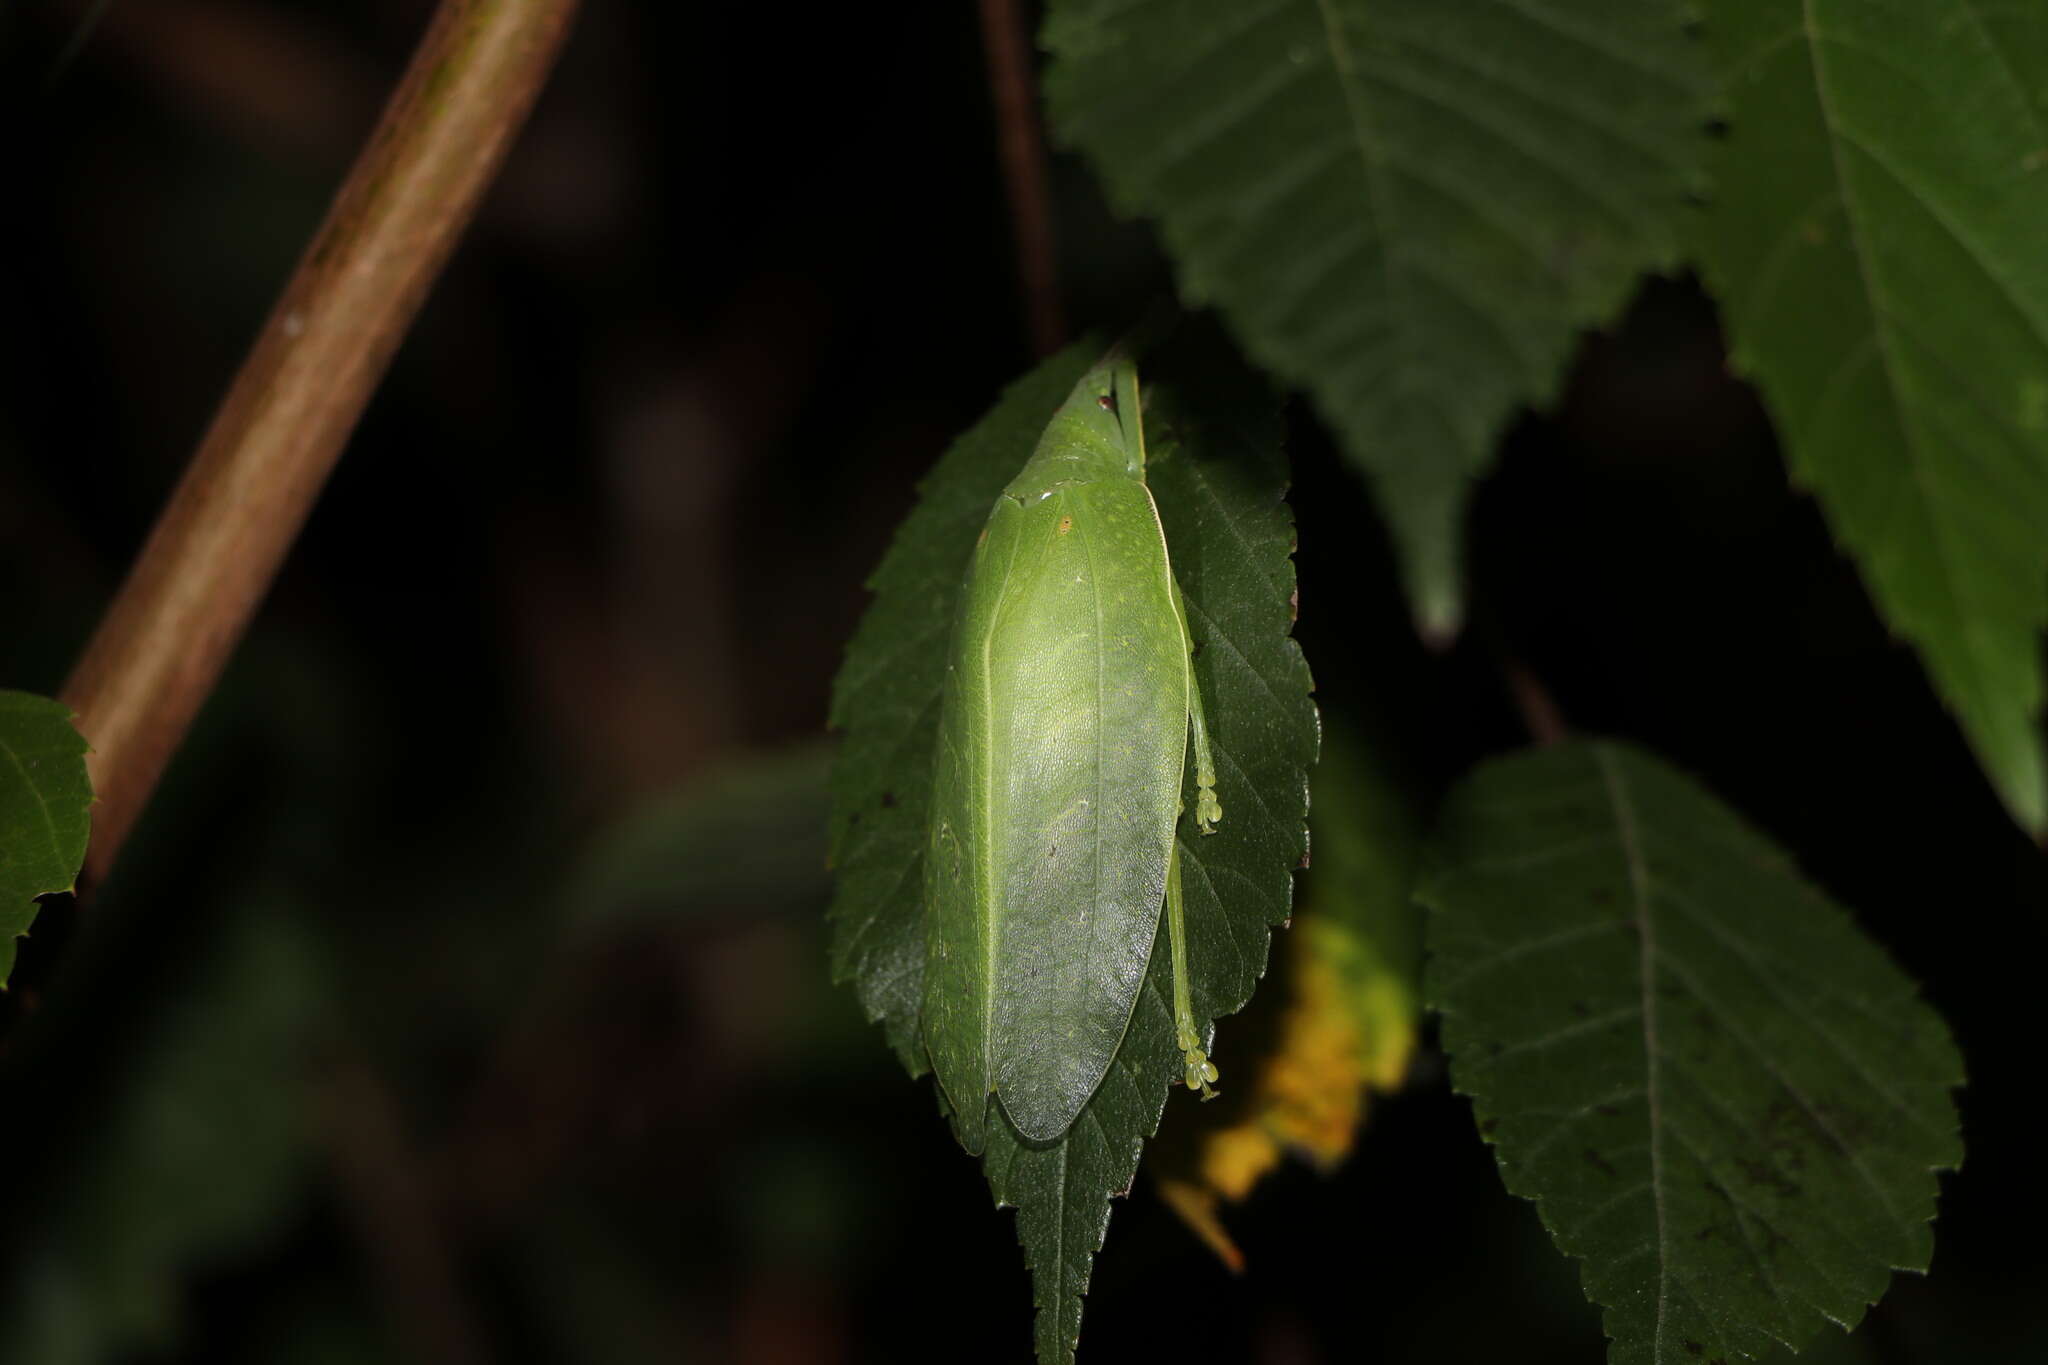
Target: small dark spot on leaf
point(1693, 1348)
point(1106, 401)
point(1486, 1128)
point(1599, 1162)
point(853, 819)
point(1581, 1010)
point(1605, 1111)
point(1717, 128)
point(888, 800)
point(1053, 852)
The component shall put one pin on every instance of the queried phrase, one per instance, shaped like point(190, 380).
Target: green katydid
point(1068, 704)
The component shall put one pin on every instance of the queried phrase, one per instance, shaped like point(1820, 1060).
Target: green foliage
point(746, 835)
point(1875, 240)
point(45, 800)
point(1723, 1098)
point(1408, 208)
point(1725, 1101)
point(1218, 480)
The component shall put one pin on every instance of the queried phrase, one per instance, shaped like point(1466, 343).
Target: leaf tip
point(1439, 619)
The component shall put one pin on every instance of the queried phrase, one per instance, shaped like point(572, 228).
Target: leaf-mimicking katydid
point(1068, 707)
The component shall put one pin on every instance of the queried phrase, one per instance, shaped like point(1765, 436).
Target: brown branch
point(1021, 145)
point(161, 646)
point(1533, 702)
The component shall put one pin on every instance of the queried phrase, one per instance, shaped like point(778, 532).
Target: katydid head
point(1097, 433)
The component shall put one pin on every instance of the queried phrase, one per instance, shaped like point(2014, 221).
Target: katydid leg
point(1208, 810)
point(1200, 1070)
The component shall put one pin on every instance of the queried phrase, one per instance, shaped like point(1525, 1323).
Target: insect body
point(1063, 736)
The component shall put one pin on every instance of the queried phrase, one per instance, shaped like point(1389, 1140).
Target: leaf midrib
point(1646, 946)
point(1372, 159)
point(1883, 320)
point(1632, 846)
point(1888, 361)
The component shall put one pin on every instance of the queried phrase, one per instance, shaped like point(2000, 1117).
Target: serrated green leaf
point(45, 800)
point(1723, 1098)
point(1410, 208)
point(1876, 242)
point(1218, 480)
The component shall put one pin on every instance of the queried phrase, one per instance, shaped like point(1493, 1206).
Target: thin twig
point(1538, 709)
point(395, 1216)
point(1021, 144)
point(161, 646)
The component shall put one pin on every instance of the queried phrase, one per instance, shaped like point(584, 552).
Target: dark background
point(530, 1092)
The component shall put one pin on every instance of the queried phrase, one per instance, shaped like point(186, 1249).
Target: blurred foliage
point(200, 1154)
point(746, 835)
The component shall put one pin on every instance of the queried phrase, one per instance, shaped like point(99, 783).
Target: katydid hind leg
point(1199, 1070)
point(1208, 810)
